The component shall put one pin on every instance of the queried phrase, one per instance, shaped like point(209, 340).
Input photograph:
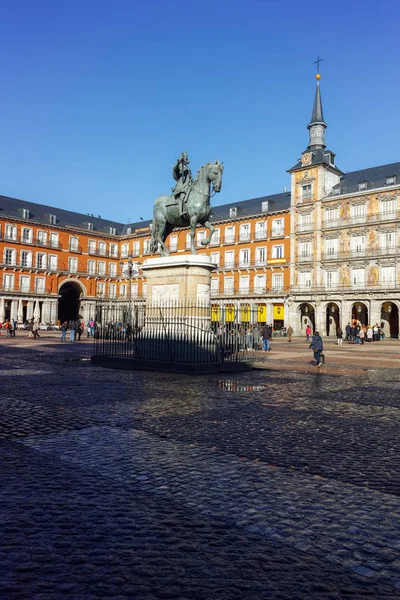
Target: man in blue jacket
point(317, 347)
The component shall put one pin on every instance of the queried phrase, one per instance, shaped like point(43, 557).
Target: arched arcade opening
point(69, 302)
point(332, 318)
point(390, 319)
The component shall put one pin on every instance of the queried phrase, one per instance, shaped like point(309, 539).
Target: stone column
point(14, 310)
point(374, 311)
point(29, 309)
point(46, 317)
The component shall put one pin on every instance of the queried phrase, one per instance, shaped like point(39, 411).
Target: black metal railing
point(172, 334)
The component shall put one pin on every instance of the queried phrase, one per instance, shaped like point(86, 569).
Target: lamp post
point(129, 270)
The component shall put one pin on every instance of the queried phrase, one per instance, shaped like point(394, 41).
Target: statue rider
point(183, 176)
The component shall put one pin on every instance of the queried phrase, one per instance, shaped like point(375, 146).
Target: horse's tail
point(154, 237)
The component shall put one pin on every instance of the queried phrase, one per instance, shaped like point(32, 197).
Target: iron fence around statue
point(172, 333)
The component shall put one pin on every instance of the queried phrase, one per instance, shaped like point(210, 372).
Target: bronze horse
point(166, 214)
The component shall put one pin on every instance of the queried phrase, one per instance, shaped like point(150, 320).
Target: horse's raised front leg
point(193, 223)
point(211, 229)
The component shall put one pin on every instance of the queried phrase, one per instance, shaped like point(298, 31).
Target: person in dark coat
point(317, 347)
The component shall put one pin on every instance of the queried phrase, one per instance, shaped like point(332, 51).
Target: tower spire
point(317, 124)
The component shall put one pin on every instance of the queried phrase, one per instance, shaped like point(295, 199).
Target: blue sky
point(99, 98)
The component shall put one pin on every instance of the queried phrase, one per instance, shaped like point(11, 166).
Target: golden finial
point(318, 76)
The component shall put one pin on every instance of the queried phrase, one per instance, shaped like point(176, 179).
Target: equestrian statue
point(188, 205)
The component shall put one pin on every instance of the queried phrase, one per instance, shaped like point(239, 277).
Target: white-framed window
point(388, 275)
point(391, 180)
point(201, 235)
point(101, 267)
point(54, 240)
point(102, 249)
point(113, 230)
point(52, 219)
point(277, 227)
point(388, 239)
point(233, 212)
point(358, 211)
point(215, 238)
point(305, 220)
point(8, 282)
point(228, 284)
point(41, 239)
point(53, 262)
point(112, 290)
point(124, 250)
point(27, 235)
point(122, 290)
point(362, 186)
point(40, 283)
point(214, 285)
point(101, 288)
point(331, 247)
point(144, 289)
point(11, 233)
point(229, 258)
point(41, 260)
point(91, 267)
point(134, 290)
point(215, 258)
point(114, 250)
point(10, 256)
point(26, 258)
point(358, 244)
point(25, 283)
point(331, 279)
point(264, 206)
point(72, 265)
point(188, 241)
point(25, 213)
point(388, 208)
point(73, 244)
point(260, 283)
point(90, 226)
point(173, 243)
point(136, 248)
point(306, 192)
point(146, 246)
point(358, 277)
point(244, 257)
point(92, 247)
point(305, 279)
point(331, 216)
point(305, 250)
point(277, 281)
point(128, 230)
point(244, 232)
point(112, 269)
point(244, 284)
point(261, 256)
point(229, 234)
point(277, 251)
point(261, 230)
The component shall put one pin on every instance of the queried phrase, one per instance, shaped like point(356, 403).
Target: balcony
point(229, 239)
point(278, 233)
point(260, 289)
point(42, 243)
point(11, 237)
point(75, 248)
point(173, 248)
point(136, 252)
point(261, 235)
point(55, 245)
point(306, 258)
point(302, 227)
point(330, 255)
point(244, 237)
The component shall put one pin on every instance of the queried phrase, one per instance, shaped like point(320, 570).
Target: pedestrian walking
point(72, 327)
point(35, 330)
point(266, 333)
point(64, 328)
point(339, 335)
point(308, 333)
point(317, 347)
point(289, 333)
point(348, 332)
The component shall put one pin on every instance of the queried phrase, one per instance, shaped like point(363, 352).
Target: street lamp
point(129, 270)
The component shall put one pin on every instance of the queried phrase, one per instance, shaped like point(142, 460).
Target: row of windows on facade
point(358, 245)
point(306, 190)
point(387, 276)
point(388, 209)
point(26, 214)
point(51, 262)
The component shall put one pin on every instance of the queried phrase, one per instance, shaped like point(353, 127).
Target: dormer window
point(113, 230)
point(336, 191)
point(90, 226)
point(264, 206)
point(233, 212)
point(391, 180)
point(362, 186)
point(52, 219)
point(129, 230)
point(25, 213)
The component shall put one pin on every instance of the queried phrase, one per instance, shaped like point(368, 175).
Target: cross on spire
point(317, 63)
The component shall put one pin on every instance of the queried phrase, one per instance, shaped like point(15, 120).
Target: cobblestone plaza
point(281, 483)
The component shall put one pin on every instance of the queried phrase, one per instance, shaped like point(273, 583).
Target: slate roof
point(375, 177)
point(317, 114)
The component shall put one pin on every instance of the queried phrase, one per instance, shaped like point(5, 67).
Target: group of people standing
point(358, 334)
point(76, 328)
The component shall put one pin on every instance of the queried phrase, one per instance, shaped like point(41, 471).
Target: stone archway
point(332, 318)
point(390, 319)
point(307, 316)
point(69, 303)
point(359, 313)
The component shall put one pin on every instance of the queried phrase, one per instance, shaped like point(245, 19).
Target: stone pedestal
point(179, 279)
